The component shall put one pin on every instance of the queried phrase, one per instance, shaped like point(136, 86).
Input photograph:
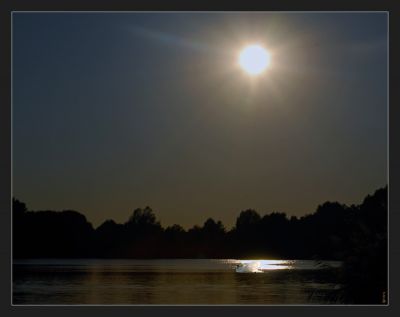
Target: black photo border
point(174, 5)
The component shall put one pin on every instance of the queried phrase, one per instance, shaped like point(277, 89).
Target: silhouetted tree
point(363, 250)
point(247, 220)
point(212, 238)
point(275, 234)
point(213, 228)
point(142, 217)
point(364, 274)
point(108, 239)
point(19, 208)
point(247, 233)
point(20, 228)
point(53, 234)
point(174, 242)
point(142, 235)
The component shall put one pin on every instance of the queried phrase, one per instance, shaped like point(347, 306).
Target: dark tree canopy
point(247, 219)
point(141, 217)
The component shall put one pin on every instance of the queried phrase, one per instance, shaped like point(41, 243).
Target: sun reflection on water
point(276, 264)
point(264, 265)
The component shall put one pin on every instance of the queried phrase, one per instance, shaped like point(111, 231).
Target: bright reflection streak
point(265, 265)
point(275, 264)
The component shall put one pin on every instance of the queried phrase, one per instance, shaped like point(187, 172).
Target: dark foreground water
point(205, 281)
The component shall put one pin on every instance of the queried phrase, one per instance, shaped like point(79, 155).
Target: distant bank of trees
point(356, 235)
point(334, 231)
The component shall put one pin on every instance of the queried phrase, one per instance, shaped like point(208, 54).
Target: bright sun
point(254, 59)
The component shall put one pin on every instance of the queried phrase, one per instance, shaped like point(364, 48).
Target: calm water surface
point(181, 281)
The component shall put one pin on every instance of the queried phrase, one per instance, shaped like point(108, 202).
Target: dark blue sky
point(117, 111)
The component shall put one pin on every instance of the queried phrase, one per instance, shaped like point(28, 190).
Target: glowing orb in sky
point(254, 59)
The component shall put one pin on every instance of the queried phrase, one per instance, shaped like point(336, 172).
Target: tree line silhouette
point(331, 232)
point(356, 235)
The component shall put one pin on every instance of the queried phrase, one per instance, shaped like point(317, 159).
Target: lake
point(170, 282)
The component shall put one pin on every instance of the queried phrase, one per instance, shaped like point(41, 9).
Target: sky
point(115, 111)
